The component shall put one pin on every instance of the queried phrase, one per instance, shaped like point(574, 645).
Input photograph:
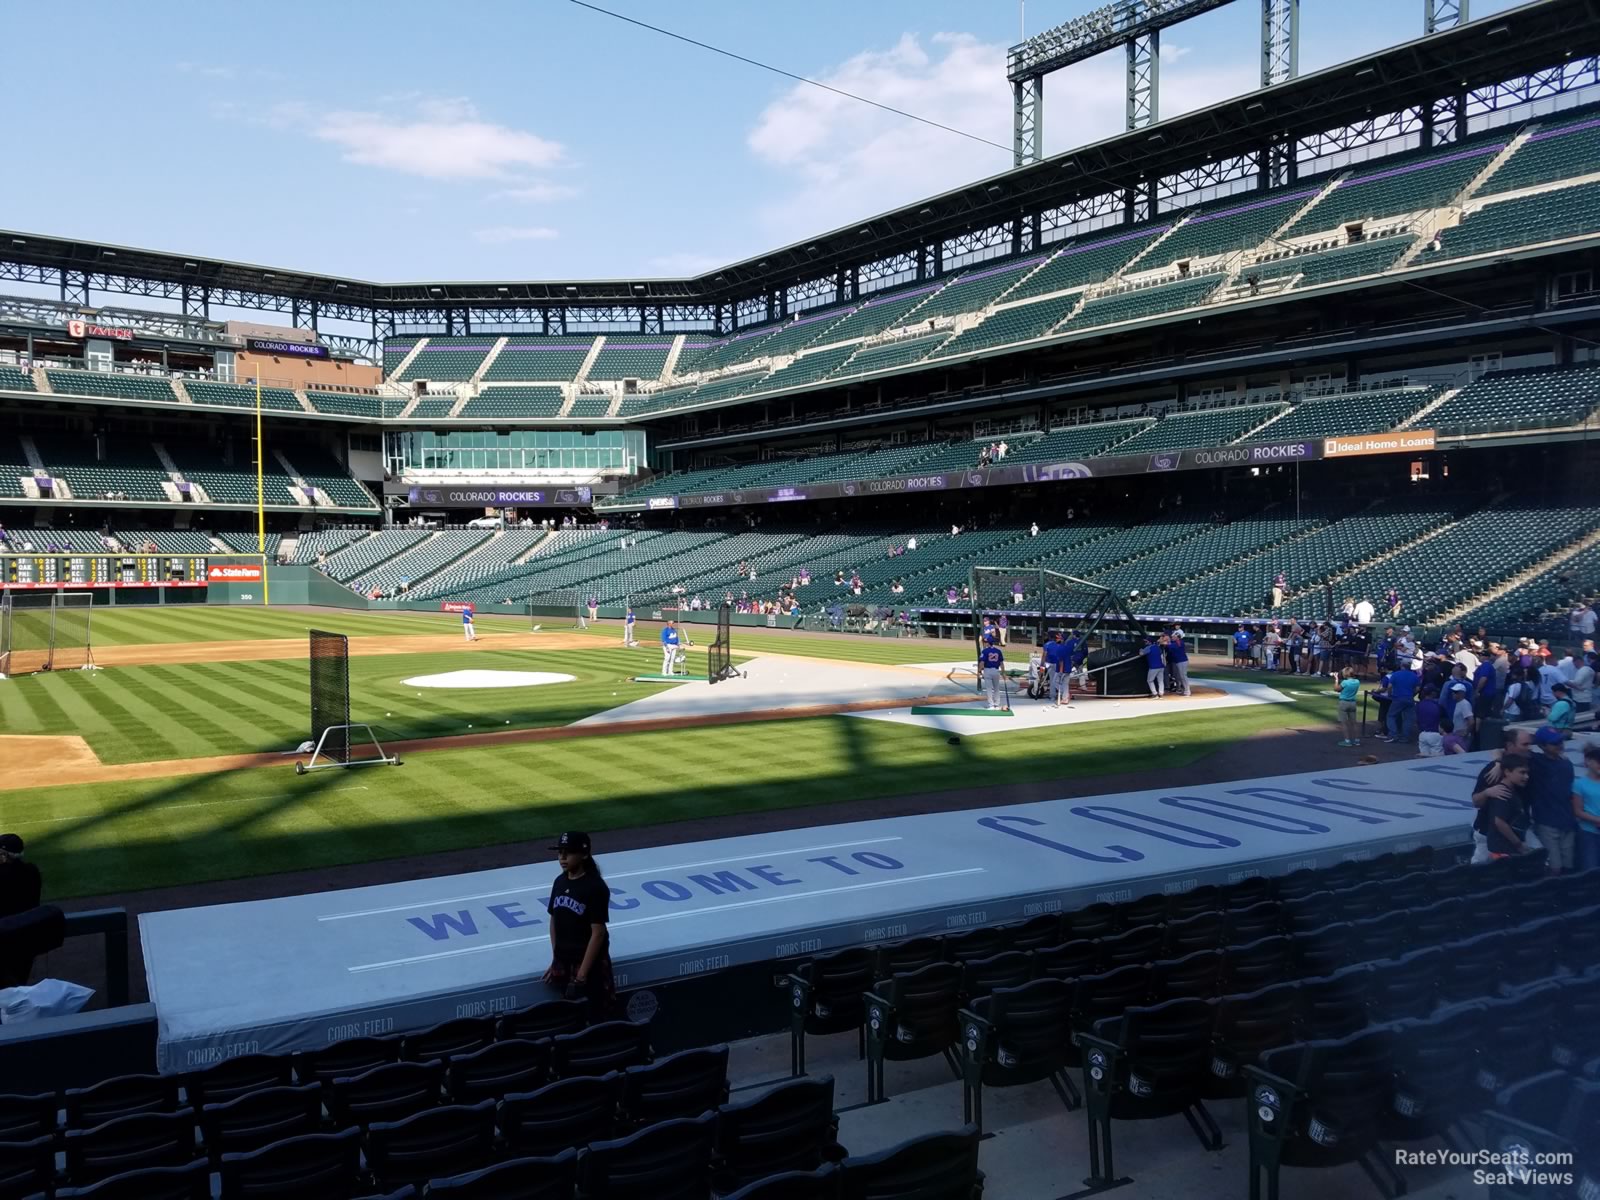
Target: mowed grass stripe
point(115, 625)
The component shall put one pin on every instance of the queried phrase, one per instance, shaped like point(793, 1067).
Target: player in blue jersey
point(1156, 666)
point(467, 627)
point(991, 661)
point(627, 628)
point(669, 646)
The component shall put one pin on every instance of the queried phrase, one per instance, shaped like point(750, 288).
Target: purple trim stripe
point(1251, 207)
point(919, 291)
point(637, 346)
point(552, 348)
point(1147, 231)
point(1013, 265)
point(1565, 129)
point(458, 346)
point(1424, 165)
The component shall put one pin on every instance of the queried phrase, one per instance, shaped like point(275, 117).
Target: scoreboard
point(105, 570)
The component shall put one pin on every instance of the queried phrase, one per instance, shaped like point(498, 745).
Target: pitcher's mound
point(488, 679)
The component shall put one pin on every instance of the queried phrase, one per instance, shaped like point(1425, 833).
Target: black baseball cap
point(10, 843)
point(573, 841)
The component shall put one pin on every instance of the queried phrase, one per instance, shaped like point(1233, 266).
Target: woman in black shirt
point(579, 940)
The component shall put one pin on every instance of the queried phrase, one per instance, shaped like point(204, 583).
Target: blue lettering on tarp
point(835, 864)
point(1227, 810)
point(1123, 853)
point(622, 905)
point(512, 916)
point(772, 875)
point(665, 889)
point(1441, 769)
point(438, 926)
point(1325, 804)
point(1424, 799)
point(1138, 821)
point(722, 882)
point(872, 858)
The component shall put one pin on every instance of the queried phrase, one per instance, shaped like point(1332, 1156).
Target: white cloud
point(535, 193)
point(437, 139)
point(499, 234)
point(840, 160)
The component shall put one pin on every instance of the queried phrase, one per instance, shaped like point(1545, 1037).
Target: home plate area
point(1035, 714)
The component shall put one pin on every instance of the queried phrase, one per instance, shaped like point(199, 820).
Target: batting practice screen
point(330, 694)
point(719, 657)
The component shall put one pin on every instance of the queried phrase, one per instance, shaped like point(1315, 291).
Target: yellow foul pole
point(261, 507)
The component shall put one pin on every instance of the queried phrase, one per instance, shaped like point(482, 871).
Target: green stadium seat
point(130, 466)
point(533, 359)
point(590, 404)
point(1088, 259)
point(518, 401)
point(1327, 266)
point(121, 385)
point(240, 395)
point(1010, 323)
point(246, 543)
point(13, 466)
point(1534, 399)
point(15, 379)
point(632, 356)
point(351, 404)
point(881, 311)
point(1181, 429)
point(1347, 414)
point(1521, 221)
point(320, 470)
point(885, 356)
point(1139, 303)
point(977, 287)
point(431, 406)
point(421, 561)
point(451, 360)
point(325, 541)
point(1560, 149)
point(394, 353)
point(1239, 222)
point(167, 541)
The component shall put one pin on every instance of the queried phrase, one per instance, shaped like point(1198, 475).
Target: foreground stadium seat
point(1525, 1027)
point(1015, 1036)
point(231, 1079)
point(1141, 944)
point(938, 1166)
point(385, 1093)
point(25, 1117)
point(685, 1084)
point(1147, 1063)
point(431, 1144)
point(1552, 1113)
point(1321, 1104)
point(792, 1128)
point(549, 1019)
point(570, 1112)
point(1252, 965)
point(903, 957)
point(121, 1096)
point(1195, 974)
point(461, 1036)
point(667, 1161)
point(1008, 969)
point(1400, 988)
point(912, 1016)
point(260, 1118)
point(1333, 1006)
point(1033, 934)
point(970, 944)
point(1578, 1039)
point(828, 995)
point(28, 1166)
point(1081, 956)
point(1246, 1026)
point(353, 1056)
point(499, 1068)
point(553, 1178)
point(129, 1144)
point(599, 1049)
point(324, 1165)
point(192, 1181)
point(1435, 1062)
point(820, 1184)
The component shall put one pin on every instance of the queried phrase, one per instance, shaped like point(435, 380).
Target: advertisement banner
point(233, 573)
point(1404, 441)
point(467, 497)
point(85, 329)
point(457, 606)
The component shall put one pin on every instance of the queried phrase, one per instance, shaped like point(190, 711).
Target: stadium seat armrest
point(1101, 1057)
point(881, 1018)
point(1271, 1104)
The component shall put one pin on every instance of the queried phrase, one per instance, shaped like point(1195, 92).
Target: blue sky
point(494, 139)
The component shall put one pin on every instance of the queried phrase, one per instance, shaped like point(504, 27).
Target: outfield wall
point(290, 585)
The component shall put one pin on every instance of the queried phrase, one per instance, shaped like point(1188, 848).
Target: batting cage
point(719, 655)
point(42, 631)
point(330, 707)
point(1037, 602)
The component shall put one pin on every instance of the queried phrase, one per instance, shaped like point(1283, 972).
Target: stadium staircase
point(411, 356)
point(1494, 164)
point(180, 391)
point(1420, 419)
point(41, 382)
point(62, 490)
point(369, 550)
point(318, 498)
point(588, 360)
point(1546, 565)
point(488, 360)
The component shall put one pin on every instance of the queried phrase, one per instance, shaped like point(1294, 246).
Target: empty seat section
point(1141, 302)
point(884, 356)
point(878, 313)
point(800, 331)
point(166, 541)
point(450, 360)
point(1180, 430)
point(422, 560)
point(1522, 221)
point(1237, 223)
point(362, 556)
point(1090, 258)
point(1402, 183)
point(591, 404)
point(723, 352)
point(977, 287)
point(245, 543)
point(239, 395)
point(236, 484)
point(129, 466)
point(1556, 150)
point(350, 404)
point(13, 466)
point(515, 401)
point(15, 379)
point(1012, 323)
point(1347, 414)
point(394, 353)
point(632, 357)
point(122, 385)
point(319, 469)
point(1213, 548)
point(324, 541)
point(1326, 266)
point(491, 556)
point(432, 406)
point(1535, 399)
point(537, 359)
point(808, 368)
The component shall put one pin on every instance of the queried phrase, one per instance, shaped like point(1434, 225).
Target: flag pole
point(261, 508)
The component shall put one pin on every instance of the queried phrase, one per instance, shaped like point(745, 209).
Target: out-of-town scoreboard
point(108, 570)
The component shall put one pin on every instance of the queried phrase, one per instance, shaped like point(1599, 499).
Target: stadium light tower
point(1443, 14)
point(1136, 25)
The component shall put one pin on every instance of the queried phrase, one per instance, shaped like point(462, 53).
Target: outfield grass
point(142, 834)
point(886, 650)
point(129, 625)
point(194, 710)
